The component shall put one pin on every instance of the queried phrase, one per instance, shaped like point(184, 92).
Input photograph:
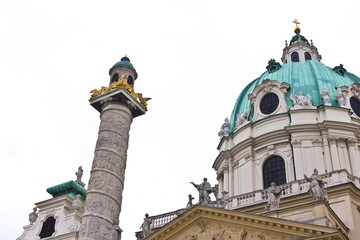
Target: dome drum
point(304, 53)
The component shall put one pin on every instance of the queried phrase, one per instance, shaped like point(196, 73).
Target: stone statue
point(221, 202)
point(325, 96)
point(274, 194)
point(33, 216)
point(146, 230)
point(225, 129)
point(204, 192)
point(301, 100)
point(340, 97)
point(242, 117)
point(190, 204)
point(79, 174)
point(76, 204)
point(317, 186)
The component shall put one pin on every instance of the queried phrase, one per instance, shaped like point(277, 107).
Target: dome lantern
point(299, 49)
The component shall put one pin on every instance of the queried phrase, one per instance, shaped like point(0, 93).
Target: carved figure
point(117, 232)
point(274, 194)
point(95, 93)
point(340, 97)
point(204, 192)
point(242, 117)
point(301, 100)
point(221, 202)
point(190, 204)
point(243, 234)
point(33, 216)
point(143, 100)
point(76, 204)
point(317, 186)
point(325, 96)
point(145, 226)
point(225, 129)
point(79, 174)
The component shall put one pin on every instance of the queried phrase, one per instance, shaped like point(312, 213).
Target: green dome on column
point(124, 62)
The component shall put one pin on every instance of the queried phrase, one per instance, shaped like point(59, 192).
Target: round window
point(269, 103)
point(355, 105)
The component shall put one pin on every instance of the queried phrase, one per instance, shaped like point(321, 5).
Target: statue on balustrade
point(274, 194)
point(204, 192)
point(317, 188)
point(190, 204)
point(145, 226)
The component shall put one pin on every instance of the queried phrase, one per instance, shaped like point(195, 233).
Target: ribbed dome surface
point(307, 77)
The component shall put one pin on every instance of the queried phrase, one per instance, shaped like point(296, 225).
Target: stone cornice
point(261, 224)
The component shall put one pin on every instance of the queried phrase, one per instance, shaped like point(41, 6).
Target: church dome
point(307, 77)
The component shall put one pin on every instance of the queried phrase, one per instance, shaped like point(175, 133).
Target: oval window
point(355, 105)
point(269, 103)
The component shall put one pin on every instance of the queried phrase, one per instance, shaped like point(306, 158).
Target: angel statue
point(340, 97)
point(317, 186)
point(301, 100)
point(325, 95)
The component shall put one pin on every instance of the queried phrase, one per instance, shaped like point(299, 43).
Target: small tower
point(118, 104)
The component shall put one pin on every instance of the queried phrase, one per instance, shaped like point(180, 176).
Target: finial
point(125, 58)
point(286, 43)
point(311, 43)
point(297, 28)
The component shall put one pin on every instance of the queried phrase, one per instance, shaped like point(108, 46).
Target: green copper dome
point(124, 62)
point(308, 77)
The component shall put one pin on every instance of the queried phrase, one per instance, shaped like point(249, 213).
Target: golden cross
point(296, 22)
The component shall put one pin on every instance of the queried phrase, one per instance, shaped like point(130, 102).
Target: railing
point(292, 188)
point(162, 219)
point(259, 196)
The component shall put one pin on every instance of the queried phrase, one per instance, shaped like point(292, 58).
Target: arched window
point(130, 80)
point(114, 78)
point(274, 171)
point(48, 228)
point(295, 57)
point(307, 56)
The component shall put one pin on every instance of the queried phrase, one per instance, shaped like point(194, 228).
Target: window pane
point(274, 171)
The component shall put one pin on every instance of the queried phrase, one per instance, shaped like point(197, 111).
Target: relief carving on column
point(205, 230)
point(234, 163)
point(317, 141)
point(249, 156)
point(332, 139)
point(296, 143)
point(351, 141)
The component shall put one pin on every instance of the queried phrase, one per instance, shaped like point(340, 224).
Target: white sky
point(193, 58)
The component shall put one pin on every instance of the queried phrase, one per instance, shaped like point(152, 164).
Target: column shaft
point(103, 201)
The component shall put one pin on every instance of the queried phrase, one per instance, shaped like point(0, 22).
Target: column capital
point(119, 95)
point(332, 139)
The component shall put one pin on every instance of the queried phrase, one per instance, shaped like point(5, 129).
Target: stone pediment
point(204, 223)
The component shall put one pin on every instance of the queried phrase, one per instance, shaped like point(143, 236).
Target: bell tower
point(117, 104)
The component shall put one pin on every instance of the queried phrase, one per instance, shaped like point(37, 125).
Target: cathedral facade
point(288, 165)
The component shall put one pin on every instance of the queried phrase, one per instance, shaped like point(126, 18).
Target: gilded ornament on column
point(120, 84)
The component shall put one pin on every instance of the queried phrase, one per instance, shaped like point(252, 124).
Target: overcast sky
point(193, 59)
